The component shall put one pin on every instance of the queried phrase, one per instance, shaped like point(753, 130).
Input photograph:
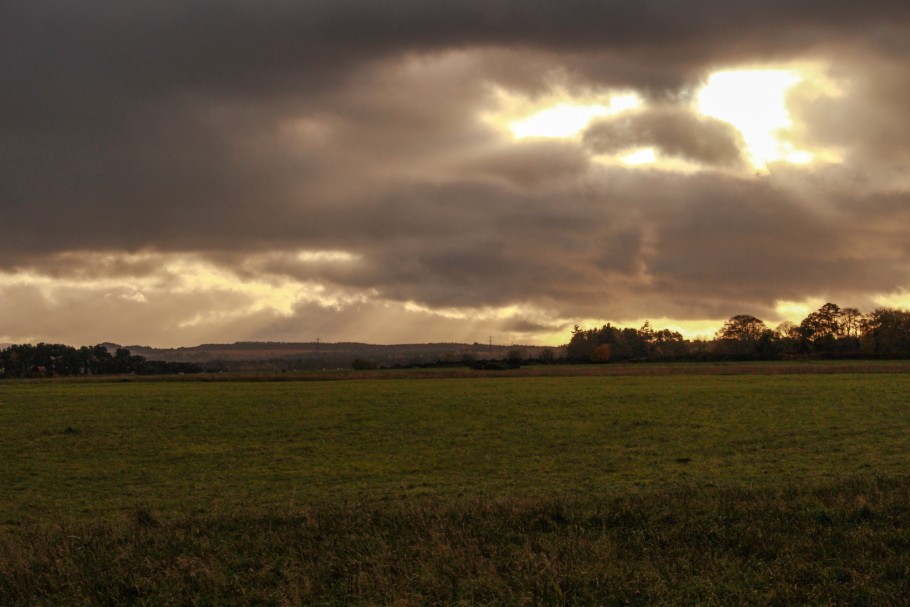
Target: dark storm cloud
point(686, 244)
point(151, 123)
point(698, 237)
point(674, 131)
point(530, 164)
point(245, 132)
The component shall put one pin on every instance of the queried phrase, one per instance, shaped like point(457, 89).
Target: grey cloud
point(88, 316)
point(519, 324)
point(238, 46)
point(531, 164)
point(236, 130)
point(674, 131)
point(625, 245)
point(376, 322)
point(867, 121)
point(71, 66)
point(90, 265)
point(689, 238)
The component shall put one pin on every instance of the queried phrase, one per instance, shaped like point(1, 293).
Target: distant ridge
point(308, 355)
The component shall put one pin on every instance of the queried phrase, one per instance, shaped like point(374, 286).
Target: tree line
point(50, 360)
point(829, 332)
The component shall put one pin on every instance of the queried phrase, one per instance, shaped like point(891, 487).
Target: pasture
point(514, 470)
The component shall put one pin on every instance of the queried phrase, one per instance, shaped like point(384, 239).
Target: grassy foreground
point(74, 450)
point(846, 543)
point(593, 490)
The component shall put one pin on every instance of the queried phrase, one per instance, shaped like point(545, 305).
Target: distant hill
point(318, 355)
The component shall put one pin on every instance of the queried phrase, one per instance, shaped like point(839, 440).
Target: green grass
point(752, 488)
point(82, 450)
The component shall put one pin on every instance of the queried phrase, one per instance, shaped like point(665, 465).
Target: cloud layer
point(253, 140)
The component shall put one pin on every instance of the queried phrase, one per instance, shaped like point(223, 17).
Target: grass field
point(588, 489)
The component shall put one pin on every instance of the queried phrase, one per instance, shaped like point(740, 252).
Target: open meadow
point(767, 485)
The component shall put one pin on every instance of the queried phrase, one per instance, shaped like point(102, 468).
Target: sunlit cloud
point(795, 311)
point(640, 157)
point(755, 101)
point(558, 115)
point(560, 121)
point(177, 274)
point(327, 256)
point(223, 297)
point(899, 299)
point(482, 313)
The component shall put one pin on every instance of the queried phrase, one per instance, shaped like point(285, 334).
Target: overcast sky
point(174, 173)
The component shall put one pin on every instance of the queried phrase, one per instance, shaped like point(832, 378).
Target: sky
point(395, 171)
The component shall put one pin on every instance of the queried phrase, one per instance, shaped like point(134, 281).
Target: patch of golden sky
point(899, 299)
point(753, 100)
point(279, 295)
point(185, 274)
point(561, 115)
